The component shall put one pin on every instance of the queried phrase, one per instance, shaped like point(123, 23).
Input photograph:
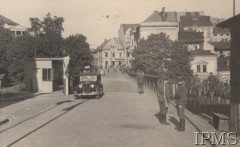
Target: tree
point(160, 56)
point(48, 32)
point(152, 55)
point(179, 65)
point(79, 51)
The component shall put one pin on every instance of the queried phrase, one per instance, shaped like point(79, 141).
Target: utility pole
point(233, 7)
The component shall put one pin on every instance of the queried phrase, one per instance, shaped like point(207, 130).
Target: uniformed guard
point(180, 100)
point(212, 81)
point(163, 101)
point(140, 81)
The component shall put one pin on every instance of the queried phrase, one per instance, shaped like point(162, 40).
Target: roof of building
point(216, 20)
point(198, 21)
point(107, 44)
point(157, 16)
point(4, 20)
point(221, 30)
point(202, 52)
point(230, 22)
point(222, 63)
point(190, 36)
point(199, 13)
point(221, 45)
point(131, 26)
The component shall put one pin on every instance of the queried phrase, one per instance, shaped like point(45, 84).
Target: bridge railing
point(198, 100)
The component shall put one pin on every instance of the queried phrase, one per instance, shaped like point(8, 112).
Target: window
point(221, 34)
point(113, 54)
point(18, 33)
point(128, 54)
point(227, 34)
point(198, 68)
point(106, 54)
point(120, 54)
point(215, 34)
point(106, 63)
point(113, 63)
point(47, 74)
point(204, 68)
point(208, 33)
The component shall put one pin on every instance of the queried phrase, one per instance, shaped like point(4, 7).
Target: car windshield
point(88, 78)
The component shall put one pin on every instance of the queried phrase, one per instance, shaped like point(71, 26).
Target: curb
point(3, 121)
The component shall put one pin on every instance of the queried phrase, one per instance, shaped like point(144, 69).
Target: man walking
point(180, 100)
point(163, 101)
point(212, 82)
point(140, 81)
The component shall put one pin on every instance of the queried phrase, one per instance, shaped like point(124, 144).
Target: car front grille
point(87, 88)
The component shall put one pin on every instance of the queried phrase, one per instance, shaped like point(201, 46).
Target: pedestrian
point(163, 98)
point(212, 81)
point(180, 100)
point(140, 81)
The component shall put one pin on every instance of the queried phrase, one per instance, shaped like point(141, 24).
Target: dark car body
point(89, 85)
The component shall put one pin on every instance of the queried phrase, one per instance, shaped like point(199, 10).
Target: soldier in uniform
point(163, 100)
point(140, 81)
point(180, 100)
point(212, 81)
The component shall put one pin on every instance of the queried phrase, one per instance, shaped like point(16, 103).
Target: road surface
point(121, 118)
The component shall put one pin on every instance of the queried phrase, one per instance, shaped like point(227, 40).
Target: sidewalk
point(27, 108)
point(200, 123)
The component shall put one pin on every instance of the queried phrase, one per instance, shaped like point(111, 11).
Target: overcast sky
point(100, 19)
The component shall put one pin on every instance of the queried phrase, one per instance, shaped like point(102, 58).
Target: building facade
point(110, 54)
point(197, 23)
point(128, 35)
point(14, 27)
point(203, 63)
point(160, 22)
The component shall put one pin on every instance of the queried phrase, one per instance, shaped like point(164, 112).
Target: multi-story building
point(14, 27)
point(221, 35)
point(128, 36)
point(194, 40)
point(197, 23)
point(110, 53)
point(160, 22)
point(203, 63)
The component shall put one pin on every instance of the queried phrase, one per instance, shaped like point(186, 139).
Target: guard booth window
point(47, 74)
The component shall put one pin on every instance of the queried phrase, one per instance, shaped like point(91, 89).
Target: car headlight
point(80, 86)
point(92, 86)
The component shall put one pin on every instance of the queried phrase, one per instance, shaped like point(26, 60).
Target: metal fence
point(198, 100)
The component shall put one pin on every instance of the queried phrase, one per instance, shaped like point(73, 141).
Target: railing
point(198, 100)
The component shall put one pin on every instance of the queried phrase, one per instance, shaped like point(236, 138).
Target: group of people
point(194, 87)
point(164, 94)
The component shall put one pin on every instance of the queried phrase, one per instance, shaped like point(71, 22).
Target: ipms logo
point(223, 138)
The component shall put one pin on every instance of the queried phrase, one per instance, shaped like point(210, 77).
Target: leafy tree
point(48, 32)
point(160, 56)
point(152, 55)
point(6, 38)
point(179, 65)
point(79, 51)
point(20, 49)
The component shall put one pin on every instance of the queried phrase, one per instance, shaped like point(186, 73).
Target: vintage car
point(89, 85)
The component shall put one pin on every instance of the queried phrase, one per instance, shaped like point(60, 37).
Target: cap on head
point(211, 73)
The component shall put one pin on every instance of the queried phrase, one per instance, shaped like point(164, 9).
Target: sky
point(100, 19)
